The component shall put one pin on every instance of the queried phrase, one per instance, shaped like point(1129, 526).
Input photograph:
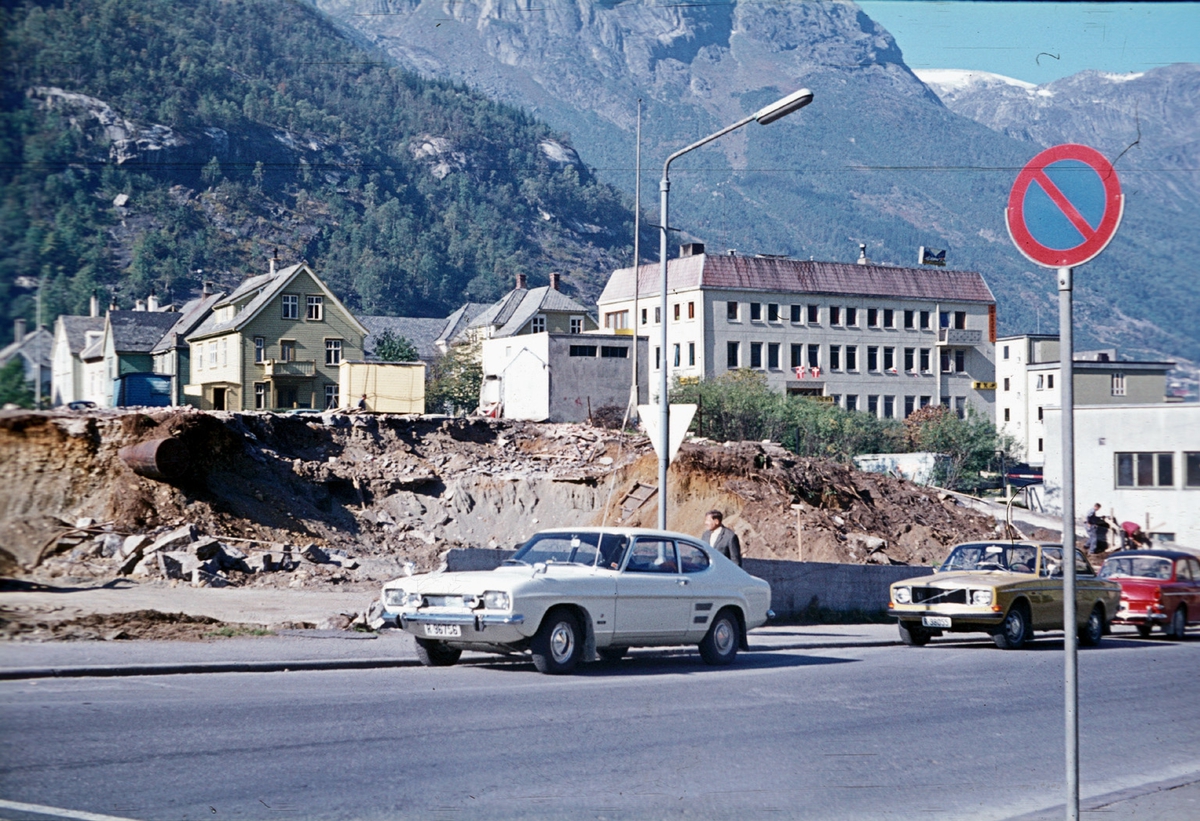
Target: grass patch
point(230, 631)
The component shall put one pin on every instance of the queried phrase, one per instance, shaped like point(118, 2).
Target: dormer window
point(537, 325)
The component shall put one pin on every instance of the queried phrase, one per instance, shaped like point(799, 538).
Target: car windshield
point(1013, 558)
point(573, 548)
point(1137, 567)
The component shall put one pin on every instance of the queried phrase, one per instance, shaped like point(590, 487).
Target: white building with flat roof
point(881, 339)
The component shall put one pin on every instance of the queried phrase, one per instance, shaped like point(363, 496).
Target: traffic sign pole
point(1070, 630)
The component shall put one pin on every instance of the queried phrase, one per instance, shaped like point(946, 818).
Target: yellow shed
point(389, 387)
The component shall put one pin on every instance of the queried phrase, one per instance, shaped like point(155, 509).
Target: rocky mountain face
point(877, 158)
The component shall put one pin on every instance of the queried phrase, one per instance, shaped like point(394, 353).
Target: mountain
point(877, 158)
point(150, 143)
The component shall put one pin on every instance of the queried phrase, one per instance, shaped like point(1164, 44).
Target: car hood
point(969, 578)
point(505, 577)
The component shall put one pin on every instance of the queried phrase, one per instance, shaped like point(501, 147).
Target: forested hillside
point(234, 127)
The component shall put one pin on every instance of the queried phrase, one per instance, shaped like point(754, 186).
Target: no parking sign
point(1065, 206)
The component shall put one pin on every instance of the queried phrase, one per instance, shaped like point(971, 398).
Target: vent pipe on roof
point(731, 251)
point(94, 305)
point(862, 254)
point(139, 305)
point(521, 282)
point(274, 260)
point(207, 288)
point(555, 279)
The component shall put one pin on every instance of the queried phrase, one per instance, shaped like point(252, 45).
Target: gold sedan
point(1005, 589)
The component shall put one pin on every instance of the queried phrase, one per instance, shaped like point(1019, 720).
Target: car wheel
point(1144, 630)
point(913, 634)
point(558, 643)
point(1178, 626)
point(612, 653)
point(1015, 631)
point(437, 653)
point(720, 643)
point(1093, 629)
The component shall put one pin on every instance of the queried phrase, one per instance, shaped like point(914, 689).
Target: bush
point(14, 387)
point(454, 381)
point(391, 347)
point(972, 444)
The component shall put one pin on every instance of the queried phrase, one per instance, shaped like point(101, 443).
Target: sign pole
point(1070, 621)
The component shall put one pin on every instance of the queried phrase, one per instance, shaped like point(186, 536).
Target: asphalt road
point(950, 731)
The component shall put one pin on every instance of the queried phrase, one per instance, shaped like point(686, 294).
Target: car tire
point(558, 643)
point(719, 646)
point(1015, 631)
point(612, 653)
point(1093, 629)
point(1177, 627)
point(1144, 630)
point(437, 653)
point(913, 634)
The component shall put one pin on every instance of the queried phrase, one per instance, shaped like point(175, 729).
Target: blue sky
point(1041, 42)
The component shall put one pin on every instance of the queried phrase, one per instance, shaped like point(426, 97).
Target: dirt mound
point(140, 624)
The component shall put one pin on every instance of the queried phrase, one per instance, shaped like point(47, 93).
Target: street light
point(769, 114)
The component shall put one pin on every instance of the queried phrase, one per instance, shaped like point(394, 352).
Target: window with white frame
point(835, 357)
point(331, 396)
point(333, 351)
point(731, 311)
point(1118, 384)
point(212, 354)
point(576, 324)
point(756, 354)
point(315, 308)
point(852, 357)
point(797, 313)
point(1145, 469)
point(925, 360)
point(260, 395)
point(731, 354)
point(1191, 469)
point(198, 355)
point(872, 359)
point(224, 351)
point(755, 311)
point(835, 315)
point(851, 317)
point(773, 356)
point(691, 354)
point(872, 317)
point(772, 312)
point(291, 306)
point(260, 349)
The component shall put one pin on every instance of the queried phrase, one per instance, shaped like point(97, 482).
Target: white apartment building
point(1028, 369)
point(881, 339)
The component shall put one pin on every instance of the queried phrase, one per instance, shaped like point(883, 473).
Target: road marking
point(78, 815)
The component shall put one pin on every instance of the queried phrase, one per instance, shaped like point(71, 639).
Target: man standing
point(1095, 529)
point(720, 537)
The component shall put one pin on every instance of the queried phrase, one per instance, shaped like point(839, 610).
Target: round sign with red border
point(1065, 206)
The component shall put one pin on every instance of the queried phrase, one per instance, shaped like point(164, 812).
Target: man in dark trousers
point(1097, 530)
point(720, 537)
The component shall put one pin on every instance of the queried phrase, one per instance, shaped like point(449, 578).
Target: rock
point(345, 562)
point(374, 615)
point(84, 523)
point(206, 548)
point(133, 544)
point(208, 574)
point(259, 563)
point(177, 564)
point(874, 543)
point(339, 622)
point(142, 568)
point(176, 538)
point(314, 554)
point(111, 545)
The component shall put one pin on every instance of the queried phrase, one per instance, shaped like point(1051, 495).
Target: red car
point(1157, 587)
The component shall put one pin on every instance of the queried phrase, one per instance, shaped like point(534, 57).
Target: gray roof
point(190, 316)
point(139, 331)
point(35, 346)
point(780, 275)
point(420, 331)
point(76, 329)
point(459, 321)
point(518, 306)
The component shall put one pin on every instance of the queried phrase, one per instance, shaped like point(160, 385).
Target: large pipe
point(161, 459)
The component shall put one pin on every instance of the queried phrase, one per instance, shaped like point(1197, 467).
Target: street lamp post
point(780, 108)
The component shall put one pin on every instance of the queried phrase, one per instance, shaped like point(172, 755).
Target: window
point(644, 316)
point(755, 354)
point(944, 319)
point(814, 315)
point(691, 310)
point(945, 360)
point(872, 359)
point(960, 363)
point(851, 317)
point(260, 349)
point(1006, 383)
point(691, 354)
point(1040, 446)
point(889, 359)
point(617, 320)
point(260, 395)
point(924, 401)
point(960, 406)
point(1041, 381)
point(1145, 470)
point(658, 315)
point(1191, 474)
point(614, 352)
point(1040, 414)
point(212, 354)
point(652, 556)
point(678, 311)
point(576, 324)
point(731, 311)
point(909, 317)
point(908, 359)
point(872, 317)
point(581, 350)
point(691, 559)
point(1118, 384)
point(852, 357)
point(331, 396)
point(772, 312)
point(657, 357)
point(835, 357)
point(537, 325)
point(1050, 381)
point(960, 320)
point(224, 352)
point(1006, 415)
point(287, 350)
point(291, 306)
point(925, 323)
point(909, 405)
point(814, 356)
point(873, 404)
point(731, 354)
point(852, 401)
point(925, 360)
point(756, 312)
point(198, 355)
point(889, 318)
point(945, 402)
point(676, 355)
point(1004, 352)
point(889, 407)
point(835, 315)
point(333, 351)
point(797, 313)
point(315, 306)
point(797, 356)
point(773, 356)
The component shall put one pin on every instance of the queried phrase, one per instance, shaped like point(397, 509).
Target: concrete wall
point(794, 585)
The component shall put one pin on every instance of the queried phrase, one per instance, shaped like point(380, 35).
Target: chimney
point(94, 305)
point(274, 260)
point(18, 329)
point(862, 254)
point(152, 301)
point(139, 305)
point(521, 282)
point(112, 300)
point(554, 280)
point(207, 288)
point(691, 249)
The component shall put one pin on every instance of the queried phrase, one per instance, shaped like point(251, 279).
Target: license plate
point(935, 621)
point(445, 631)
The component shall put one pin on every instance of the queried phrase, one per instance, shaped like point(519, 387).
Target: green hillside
point(234, 127)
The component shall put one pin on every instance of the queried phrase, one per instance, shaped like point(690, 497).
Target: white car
point(571, 595)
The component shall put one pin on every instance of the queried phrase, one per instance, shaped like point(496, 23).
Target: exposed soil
point(140, 624)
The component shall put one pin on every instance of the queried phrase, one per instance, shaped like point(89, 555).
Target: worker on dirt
point(721, 538)
point(362, 403)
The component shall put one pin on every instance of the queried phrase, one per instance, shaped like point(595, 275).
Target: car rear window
point(1137, 567)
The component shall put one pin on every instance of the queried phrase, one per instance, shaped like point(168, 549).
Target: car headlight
point(903, 595)
point(394, 596)
point(496, 600)
point(981, 597)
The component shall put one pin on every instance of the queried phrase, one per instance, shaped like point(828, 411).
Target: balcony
point(277, 368)
point(959, 336)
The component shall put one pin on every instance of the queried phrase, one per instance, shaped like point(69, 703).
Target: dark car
point(1158, 587)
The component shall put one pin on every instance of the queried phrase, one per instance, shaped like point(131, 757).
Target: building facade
point(1028, 383)
point(879, 339)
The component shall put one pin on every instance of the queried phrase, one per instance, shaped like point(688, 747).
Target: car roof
point(1160, 554)
point(622, 531)
point(1007, 543)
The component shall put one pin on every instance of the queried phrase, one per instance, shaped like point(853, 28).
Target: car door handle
point(683, 582)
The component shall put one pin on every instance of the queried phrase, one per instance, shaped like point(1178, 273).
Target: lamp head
point(781, 108)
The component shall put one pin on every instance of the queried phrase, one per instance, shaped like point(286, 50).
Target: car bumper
point(1140, 615)
point(958, 618)
point(476, 628)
